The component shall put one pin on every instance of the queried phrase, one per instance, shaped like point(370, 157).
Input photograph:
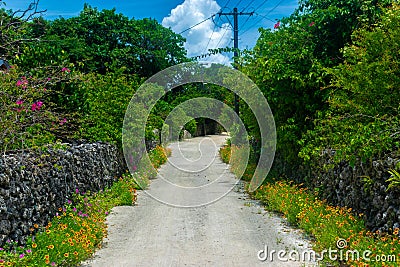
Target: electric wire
point(213, 15)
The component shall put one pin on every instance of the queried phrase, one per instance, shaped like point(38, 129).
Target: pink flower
point(311, 24)
point(65, 70)
point(277, 25)
point(19, 102)
point(37, 105)
point(21, 256)
point(22, 82)
point(63, 121)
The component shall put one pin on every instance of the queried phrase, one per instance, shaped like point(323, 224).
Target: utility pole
point(236, 15)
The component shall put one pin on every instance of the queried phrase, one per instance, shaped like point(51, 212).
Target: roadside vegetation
point(328, 226)
point(79, 227)
point(330, 72)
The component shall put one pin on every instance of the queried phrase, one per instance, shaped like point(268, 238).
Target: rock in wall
point(34, 184)
point(363, 187)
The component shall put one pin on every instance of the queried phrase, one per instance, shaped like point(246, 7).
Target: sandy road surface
point(179, 230)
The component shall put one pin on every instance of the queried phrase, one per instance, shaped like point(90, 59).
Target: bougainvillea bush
point(28, 115)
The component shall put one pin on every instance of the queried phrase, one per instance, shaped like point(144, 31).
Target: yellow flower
point(66, 255)
point(34, 245)
point(50, 246)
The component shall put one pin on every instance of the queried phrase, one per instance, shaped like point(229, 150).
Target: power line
point(226, 4)
point(222, 37)
point(239, 2)
point(198, 23)
point(275, 7)
point(209, 39)
point(248, 18)
point(265, 1)
point(264, 16)
point(251, 2)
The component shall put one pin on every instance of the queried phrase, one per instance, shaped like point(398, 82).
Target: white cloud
point(204, 36)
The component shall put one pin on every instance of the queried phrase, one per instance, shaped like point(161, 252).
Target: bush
point(28, 116)
point(363, 116)
point(106, 100)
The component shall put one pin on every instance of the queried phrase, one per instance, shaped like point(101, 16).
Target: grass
point(329, 225)
point(79, 227)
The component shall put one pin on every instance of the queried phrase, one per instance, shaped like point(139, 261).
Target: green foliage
point(106, 41)
point(225, 153)
point(394, 180)
point(191, 127)
point(105, 99)
point(293, 66)
point(363, 116)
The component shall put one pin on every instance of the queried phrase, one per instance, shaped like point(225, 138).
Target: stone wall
point(34, 184)
point(362, 187)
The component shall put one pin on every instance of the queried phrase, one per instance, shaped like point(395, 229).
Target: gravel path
point(178, 229)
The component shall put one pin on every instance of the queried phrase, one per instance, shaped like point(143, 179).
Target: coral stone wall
point(363, 187)
point(34, 184)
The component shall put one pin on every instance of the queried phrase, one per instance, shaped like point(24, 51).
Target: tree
point(108, 41)
point(289, 63)
point(363, 116)
point(13, 28)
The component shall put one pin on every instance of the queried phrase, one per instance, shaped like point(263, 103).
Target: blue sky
point(181, 14)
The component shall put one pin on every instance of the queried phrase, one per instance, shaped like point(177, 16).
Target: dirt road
point(173, 224)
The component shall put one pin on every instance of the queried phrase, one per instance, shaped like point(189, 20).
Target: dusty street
point(189, 216)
